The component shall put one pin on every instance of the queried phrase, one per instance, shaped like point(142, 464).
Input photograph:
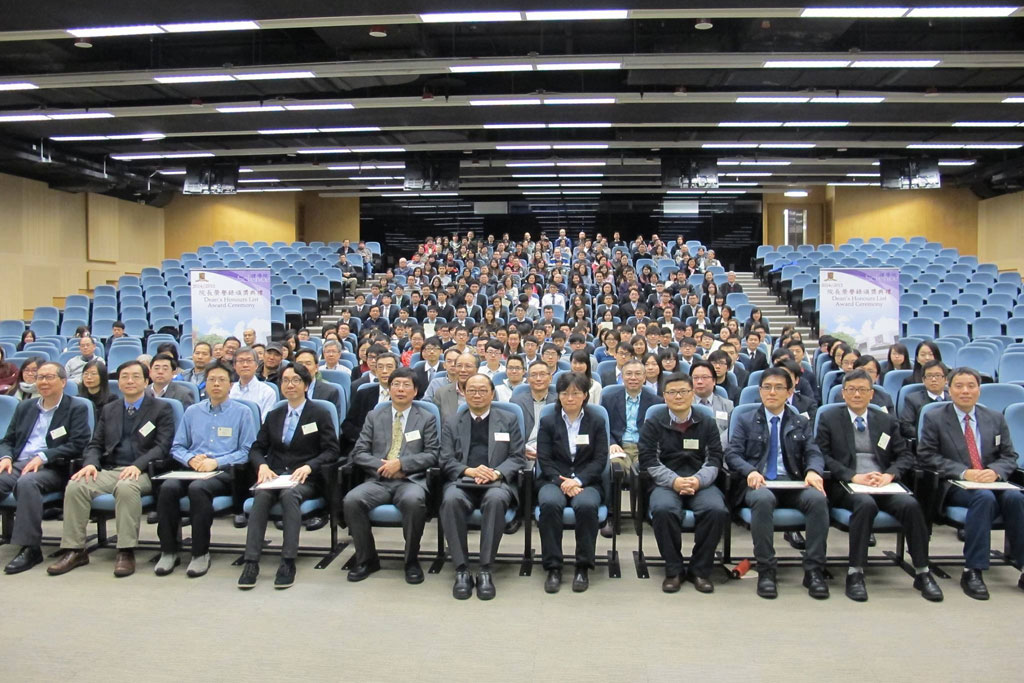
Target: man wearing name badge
point(162, 370)
point(770, 444)
point(532, 402)
point(214, 435)
point(129, 435)
point(296, 441)
point(703, 375)
point(449, 398)
point(865, 447)
point(934, 373)
point(626, 412)
point(963, 440)
point(368, 399)
point(396, 447)
point(41, 436)
point(248, 388)
point(481, 456)
point(682, 452)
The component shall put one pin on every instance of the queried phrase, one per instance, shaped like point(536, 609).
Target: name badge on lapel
point(999, 439)
point(308, 429)
point(582, 439)
point(883, 441)
point(413, 435)
point(224, 431)
point(146, 428)
point(58, 432)
point(691, 444)
point(721, 415)
point(501, 436)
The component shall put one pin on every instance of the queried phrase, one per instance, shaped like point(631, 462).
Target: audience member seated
point(532, 402)
point(75, 365)
point(449, 398)
point(8, 374)
point(249, 388)
point(934, 375)
point(365, 401)
point(162, 370)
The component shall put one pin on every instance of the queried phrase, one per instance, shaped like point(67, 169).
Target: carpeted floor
point(89, 626)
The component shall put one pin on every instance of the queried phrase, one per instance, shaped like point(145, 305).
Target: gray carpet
point(83, 624)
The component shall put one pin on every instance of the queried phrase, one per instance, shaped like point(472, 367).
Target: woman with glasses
point(95, 384)
point(25, 388)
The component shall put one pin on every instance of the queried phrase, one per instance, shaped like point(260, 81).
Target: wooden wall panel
point(330, 219)
point(1001, 231)
point(194, 221)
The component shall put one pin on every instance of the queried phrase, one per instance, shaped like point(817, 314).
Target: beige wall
point(1001, 231)
point(256, 216)
point(775, 205)
point(45, 242)
point(949, 216)
point(328, 219)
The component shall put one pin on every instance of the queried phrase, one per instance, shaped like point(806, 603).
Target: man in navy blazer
point(785, 450)
point(42, 436)
point(965, 441)
point(626, 410)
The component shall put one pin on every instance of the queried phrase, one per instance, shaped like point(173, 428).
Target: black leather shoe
point(671, 584)
point(463, 588)
point(1020, 582)
point(608, 531)
point(485, 586)
point(795, 539)
point(279, 524)
point(285, 575)
point(250, 572)
point(513, 526)
point(240, 521)
point(702, 584)
point(929, 588)
point(29, 557)
point(814, 582)
point(580, 582)
point(961, 535)
point(316, 522)
point(766, 586)
point(361, 571)
point(872, 541)
point(973, 585)
point(554, 581)
point(413, 573)
point(855, 588)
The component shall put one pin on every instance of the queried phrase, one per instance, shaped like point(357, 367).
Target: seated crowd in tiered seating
point(493, 384)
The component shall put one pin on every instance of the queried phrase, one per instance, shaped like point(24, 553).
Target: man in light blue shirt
point(214, 435)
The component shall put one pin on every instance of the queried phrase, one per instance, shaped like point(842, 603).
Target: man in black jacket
point(682, 451)
point(934, 373)
point(41, 437)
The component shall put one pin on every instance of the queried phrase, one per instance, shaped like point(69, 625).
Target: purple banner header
point(257, 278)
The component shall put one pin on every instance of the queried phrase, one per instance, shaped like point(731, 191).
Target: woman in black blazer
point(312, 445)
point(570, 473)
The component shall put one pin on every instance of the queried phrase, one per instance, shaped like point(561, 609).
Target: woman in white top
point(579, 362)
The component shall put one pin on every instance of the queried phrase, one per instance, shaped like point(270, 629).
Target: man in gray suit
point(481, 456)
point(162, 370)
point(450, 397)
point(539, 395)
point(703, 376)
point(966, 441)
point(398, 443)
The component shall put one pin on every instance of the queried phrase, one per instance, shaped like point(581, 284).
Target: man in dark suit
point(375, 321)
point(612, 375)
point(626, 411)
point(864, 447)
point(396, 446)
point(130, 434)
point(319, 389)
point(372, 353)
point(162, 370)
point(368, 399)
point(759, 454)
point(40, 438)
point(296, 441)
point(451, 396)
point(934, 373)
point(481, 457)
point(965, 441)
point(682, 451)
point(753, 357)
point(360, 309)
point(730, 286)
point(430, 353)
point(533, 401)
point(804, 404)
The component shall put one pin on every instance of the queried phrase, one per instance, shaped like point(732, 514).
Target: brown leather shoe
point(124, 563)
point(68, 561)
point(671, 584)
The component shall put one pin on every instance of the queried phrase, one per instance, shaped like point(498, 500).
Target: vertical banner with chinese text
point(861, 306)
point(226, 302)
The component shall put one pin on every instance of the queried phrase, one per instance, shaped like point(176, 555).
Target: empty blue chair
point(999, 396)
point(893, 380)
point(921, 327)
point(974, 300)
point(996, 311)
point(915, 301)
point(964, 311)
point(931, 312)
point(980, 358)
point(1015, 328)
point(986, 327)
point(953, 326)
point(940, 299)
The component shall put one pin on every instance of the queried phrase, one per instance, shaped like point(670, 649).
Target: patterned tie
point(860, 423)
point(289, 427)
point(396, 437)
point(131, 411)
point(772, 469)
point(972, 445)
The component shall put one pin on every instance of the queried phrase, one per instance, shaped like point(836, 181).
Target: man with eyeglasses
point(627, 410)
point(864, 447)
point(368, 399)
point(449, 398)
point(248, 388)
point(771, 444)
point(533, 401)
point(42, 435)
point(703, 375)
point(934, 373)
point(515, 370)
point(682, 451)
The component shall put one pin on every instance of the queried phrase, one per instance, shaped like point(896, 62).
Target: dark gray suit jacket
point(417, 455)
point(507, 457)
point(447, 401)
point(525, 401)
point(176, 391)
point(836, 440)
point(74, 418)
point(942, 447)
point(911, 412)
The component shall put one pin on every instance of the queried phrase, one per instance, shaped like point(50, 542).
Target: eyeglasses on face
point(678, 392)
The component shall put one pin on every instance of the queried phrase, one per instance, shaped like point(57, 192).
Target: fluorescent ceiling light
point(77, 138)
point(995, 145)
point(103, 32)
point(375, 150)
point(372, 177)
point(726, 192)
point(540, 192)
point(349, 167)
point(326, 150)
point(134, 157)
point(137, 136)
point(197, 78)
point(581, 191)
point(400, 194)
point(1013, 100)
point(579, 125)
point(273, 189)
point(210, 26)
point(807, 64)
point(787, 145)
point(18, 86)
point(582, 184)
point(583, 146)
point(533, 175)
point(934, 145)
point(765, 163)
point(187, 155)
point(581, 175)
point(581, 163)
point(579, 66)
point(795, 193)
point(816, 124)
point(488, 68)
point(750, 174)
point(260, 180)
point(512, 148)
point(960, 12)
point(538, 184)
point(509, 102)
point(384, 187)
point(895, 63)
point(23, 117)
point(771, 100)
point(721, 184)
point(957, 163)
point(170, 171)
point(986, 124)
point(318, 107)
point(458, 17)
point(525, 164)
point(508, 126)
point(750, 124)
point(275, 75)
point(387, 166)
point(571, 15)
point(848, 99)
point(287, 131)
point(250, 109)
point(82, 115)
point(352, 129)
point(863, 175)
point(853, 12)
point(579, 100)
point(851, 184)
point(729, 145)
point(440, 194)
